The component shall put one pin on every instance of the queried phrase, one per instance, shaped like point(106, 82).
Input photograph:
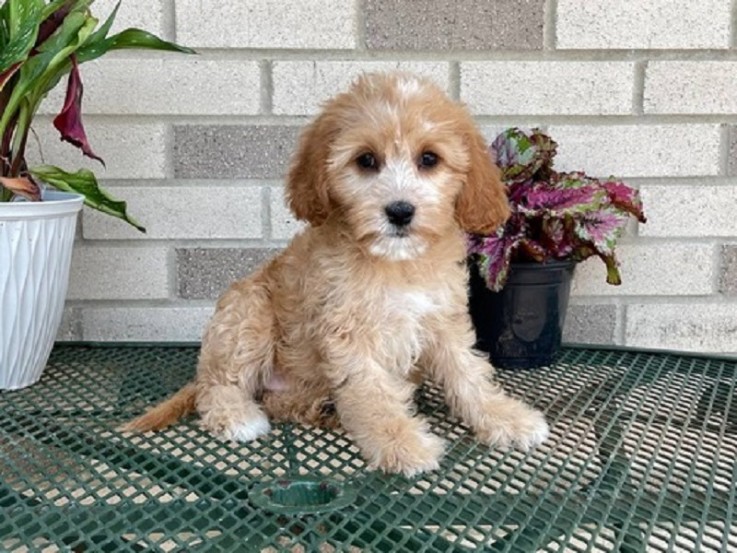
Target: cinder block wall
point(641, 89)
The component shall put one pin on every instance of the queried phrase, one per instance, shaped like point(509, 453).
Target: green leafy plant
point(40, 43)
point(555, 216)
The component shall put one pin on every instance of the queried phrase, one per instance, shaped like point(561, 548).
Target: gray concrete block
point(590, 324)
point(70, 329)
point(454, 24)
point(233, 151)
point(205, 273)
point(118, 273)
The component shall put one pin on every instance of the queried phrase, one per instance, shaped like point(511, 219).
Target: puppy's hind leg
point(236, 358)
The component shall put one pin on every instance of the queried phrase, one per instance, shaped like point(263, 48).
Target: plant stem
point(20, 139)
point(6, 136)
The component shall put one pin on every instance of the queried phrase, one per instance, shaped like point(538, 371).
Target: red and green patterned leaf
point(529, 249)
point(601, 229)
point(494, 255)
point(554, 215)
point(521, 156)
point(625, 198)
point(562, 201)
point(557, 238)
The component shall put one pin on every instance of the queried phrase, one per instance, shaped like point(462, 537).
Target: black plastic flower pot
point(521, 326)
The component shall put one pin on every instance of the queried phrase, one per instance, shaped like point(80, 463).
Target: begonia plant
point(555, 216)
point(40, 43)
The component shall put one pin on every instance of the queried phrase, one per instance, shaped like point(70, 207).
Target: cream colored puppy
point(371, 297)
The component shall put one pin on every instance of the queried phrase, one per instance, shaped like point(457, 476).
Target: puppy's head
point(399, 163)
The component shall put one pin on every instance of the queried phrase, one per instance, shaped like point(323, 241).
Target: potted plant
point(40, 43)
point(520, 276)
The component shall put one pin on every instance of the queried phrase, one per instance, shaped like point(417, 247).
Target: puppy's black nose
point(400, 213)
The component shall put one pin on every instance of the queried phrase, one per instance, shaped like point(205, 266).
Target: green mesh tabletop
point(642, 457)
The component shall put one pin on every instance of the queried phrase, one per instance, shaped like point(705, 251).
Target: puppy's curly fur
point(371, 296)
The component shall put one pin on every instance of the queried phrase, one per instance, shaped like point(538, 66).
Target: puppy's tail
point(165, 413)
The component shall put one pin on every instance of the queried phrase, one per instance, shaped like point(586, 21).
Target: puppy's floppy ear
point(482, 204)
point(307, 181)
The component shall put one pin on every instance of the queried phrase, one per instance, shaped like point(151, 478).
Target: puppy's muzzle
point(400, 213)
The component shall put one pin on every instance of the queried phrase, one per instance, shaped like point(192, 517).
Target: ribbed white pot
point(36, 240)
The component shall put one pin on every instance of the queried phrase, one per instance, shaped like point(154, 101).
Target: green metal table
point(642, 457)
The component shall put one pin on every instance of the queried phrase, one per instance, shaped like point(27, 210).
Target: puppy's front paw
point(236, 428)
point(511, 423)
point(246, 431)
point(409, 454)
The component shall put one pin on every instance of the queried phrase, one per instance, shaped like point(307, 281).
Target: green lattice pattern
point(643, 457)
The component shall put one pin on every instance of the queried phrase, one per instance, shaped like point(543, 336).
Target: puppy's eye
point(428, 160)
point(367, 161)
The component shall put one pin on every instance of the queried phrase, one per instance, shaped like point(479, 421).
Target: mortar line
point(266, 229)
point(359, 26)
point(192, 182)
point(169, 17)
point(300, 119)
point(733, 25)
point(173, 277)
point(177, 243)
point(76, 314)
point(550, 30)
point(659, 300)
point(620, 323)
point(311, 55)
point(710, 180)
point(718, 264)
point(142, 303)
point(725, 134)
point(638, 87)
point(169, 28)
point(266, 103)
point(454, 80)
point(169, 146)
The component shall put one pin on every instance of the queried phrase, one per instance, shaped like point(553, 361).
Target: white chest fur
point(413, 303)
point(402, 327)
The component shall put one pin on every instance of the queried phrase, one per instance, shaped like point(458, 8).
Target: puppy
point(370, 298)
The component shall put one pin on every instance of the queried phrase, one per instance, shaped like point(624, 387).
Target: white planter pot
point(36, 240)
